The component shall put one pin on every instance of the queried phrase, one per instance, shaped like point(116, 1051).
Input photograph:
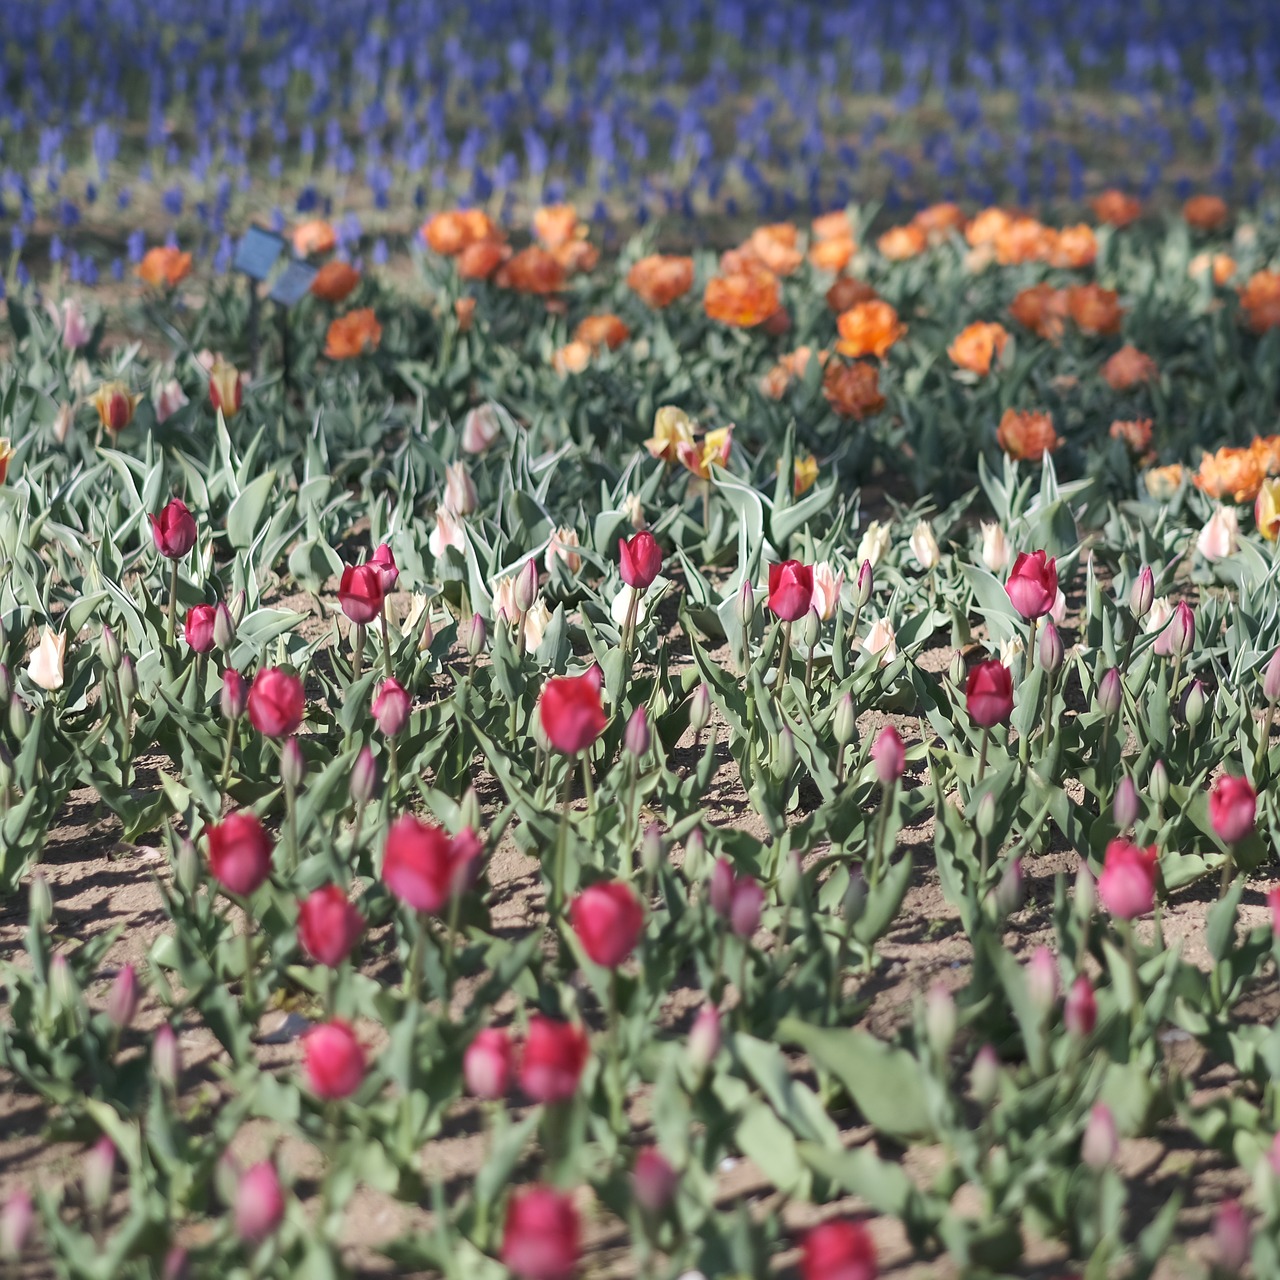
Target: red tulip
point(552, 1059)
point(839, 1250)
point(989, 694)
point(425, 867)
point(541, 1239)
point(1127, 885)
point(391, 707)
point(737, 899)
point(329, 925)
point(790, 589)
point(334, 1061)
point(259, 1206)
point(239, 853)
point(488, 1064)
point(276, 703)
point(1033, 584)
point(889, 756)
point(641, 559)
point(571, 712)
point(386, 562)
point(234, 695)
point(653, 1181)
point(360, 593)
point(1233, 807)
point(1080, 1009)
point(198, 628)
point(1273, 903)
point(608, 920)
point(174, 530)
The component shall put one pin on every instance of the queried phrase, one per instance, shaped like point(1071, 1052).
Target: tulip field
point(698, 702)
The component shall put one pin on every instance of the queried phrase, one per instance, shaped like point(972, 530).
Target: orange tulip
point(353, 334)
point(660, 279)
point(987, 227)
point(1231, 474)
point(481, 258)
point(464, 311)
point(1073, 248)
point(1041, 309)
point(1267, 450)
point(576, 256)
point(869, 329)
point(334, 281)
point(847, 292)
point(605, 330)
point(1027, 435)
point(743, 298)
point(1221, 265)
point(1136, 434)
point(1163, 482)
point(774, 384)
point(532, 270)
point(832, 255)
point(775, 247)
point(853, 390)
point(977, 345)
point(1024, 240)
point(832, 226)
point(557, 224)
point(164, 267)
point(1128, 368)
point(573, 357)
point(1115, 208)
point(449, 233)
point(1094, 309)
point(900, 243)
point(1260, 301)
point(938, 221)
point(315, 236)
point(1206, 213)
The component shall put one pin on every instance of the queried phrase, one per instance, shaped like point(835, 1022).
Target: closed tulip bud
point(810, 629)
point(1125, 807)
point(1009, 892)
point(1110, 693)
point(653, 1182)
point(364, 778)
point(293, 766)
point(790, 878)
point(854, 902)
point(475, 636)
point(844, 723)
point(700, 709)
point(1158, 783)
point(984, 1079)
point(6, 685)
point(1099, 1144)
point(128, 677)
point(864, 584)
point(1232, 1238)
point(390, 708)
point(96, 1173)
point(1193, 707)
point(224, 627)
point(16, 1220)
point(1042, 980)
point(259, 1203)
point(1086, 892)
point(704, 1038)
point(940, 1019)
point(239, 603)
point(166, 1064)
point(695, 854)
point(62, 984)
point(19, 720)
point(1182, 630)
point(235, 696)
point(746, 604)
point(122, 999)
point(1271, 679)
point(188, 867)
point(469, 810)
point(1142, 593)
point(40, 909)
point(1080, 1011)
point(460, 495)
point(526, 586)
point(636, 738)
point(784, 753)
point(957, 671)
point(110, 649)
point(985, 820)
point(1051, 651)
point(889, 756)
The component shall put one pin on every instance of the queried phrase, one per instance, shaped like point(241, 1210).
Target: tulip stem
point(1264, 739)
point(386, 642)
point(450, 950)
point(1131, 956)
point(1048, 713)
point(357, 653)
point(614, 1058)
point(1228, 874)
point(784, 659)
point(562, 845)
point(173, 603)
point(291, 819)
point(589, 788)
point(1031, 646)
point(982, 754)
point(413, 969)
point(226, 757)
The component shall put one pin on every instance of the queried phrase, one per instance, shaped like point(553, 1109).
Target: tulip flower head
point(608, 919)
point(571, 712)
point(542, 1235)
point(1127, 885)
point(425, 867)
point(174, 530)
point(790, 589)
point(1033, 584)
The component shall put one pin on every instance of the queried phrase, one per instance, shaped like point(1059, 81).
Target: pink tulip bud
point(1273, 903)
point(224, 627)
point(16, 1220)
point(1009, 891)
point(1051, 650)
point(889, 756)
point(984, 1079)
point(1143, 593)
point(704, 1038)
point(1271, 679)
point(364, 777)
point(489, 1064)
point(635, 741)
point(1232, 1239)
point(1233, 806)
point(166, 1062)
point(1110, 693)
point(653, 1181)
point(122, 1001)
point(473, 635)
point(746, 604)
point(1080, 1012)
point(1125, 806)
point(391, 707)
point(1100, 1142)
point(293, 765)
point(526, 587)
point(700, 709)
point(234, 695)
point(98, 1169)
point(1042, 979)
point(1182, 630)
point(259, 1203)
point(721, 887)
point(940, 1018)
point(864, 584)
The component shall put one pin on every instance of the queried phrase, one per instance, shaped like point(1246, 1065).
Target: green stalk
point(171, 628)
